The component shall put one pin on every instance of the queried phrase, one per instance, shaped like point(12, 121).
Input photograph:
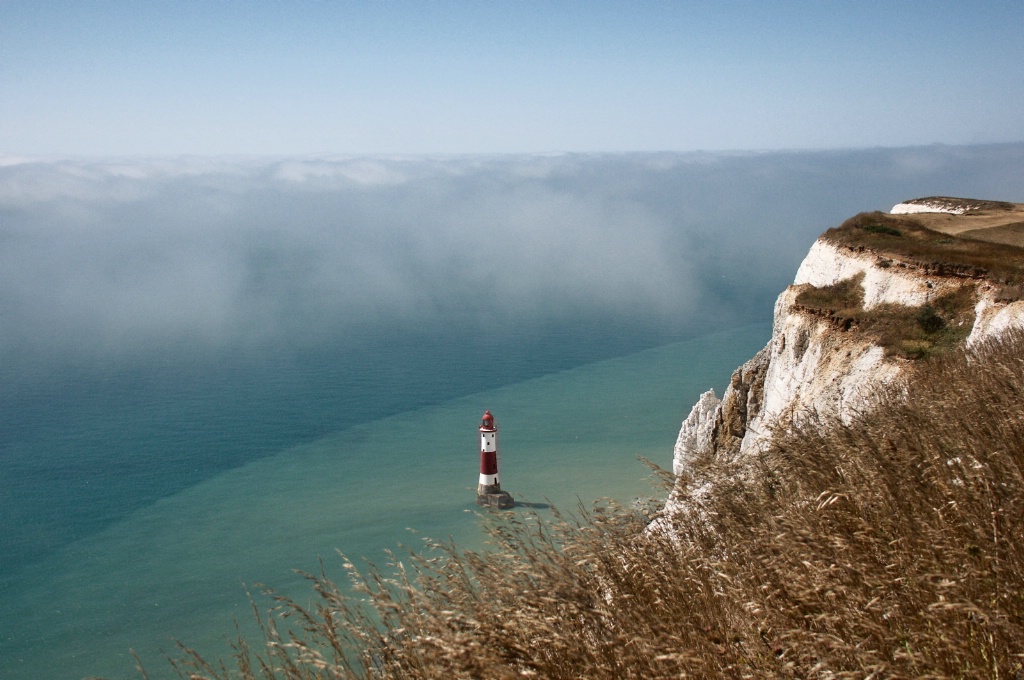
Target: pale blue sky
point(156, 78)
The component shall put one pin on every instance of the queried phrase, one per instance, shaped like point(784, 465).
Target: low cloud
point(103, 259)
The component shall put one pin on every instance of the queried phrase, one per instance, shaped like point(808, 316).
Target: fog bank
point(103, 259)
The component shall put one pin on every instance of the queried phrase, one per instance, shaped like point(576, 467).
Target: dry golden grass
point(982, 220)
point(1009, 234)
point(890, 547)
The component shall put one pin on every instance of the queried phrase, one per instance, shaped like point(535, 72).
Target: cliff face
point(829, 358)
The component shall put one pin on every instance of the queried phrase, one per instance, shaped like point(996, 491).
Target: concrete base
point(497, 499)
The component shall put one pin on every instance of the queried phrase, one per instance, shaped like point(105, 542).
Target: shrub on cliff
point(889, 547)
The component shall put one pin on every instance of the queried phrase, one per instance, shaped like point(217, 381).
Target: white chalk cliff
point(816, 363)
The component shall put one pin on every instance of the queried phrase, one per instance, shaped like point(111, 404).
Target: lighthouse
point(488, 491)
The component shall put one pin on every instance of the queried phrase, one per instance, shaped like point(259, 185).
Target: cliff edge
point(871, 297)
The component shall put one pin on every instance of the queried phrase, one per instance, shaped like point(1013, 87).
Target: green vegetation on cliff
point(910, 332)
point(888, 547)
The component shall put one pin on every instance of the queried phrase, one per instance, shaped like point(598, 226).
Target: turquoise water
point(178, 567)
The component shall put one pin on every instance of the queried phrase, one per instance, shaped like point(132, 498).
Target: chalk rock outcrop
point(820, 363)
point(993, 316)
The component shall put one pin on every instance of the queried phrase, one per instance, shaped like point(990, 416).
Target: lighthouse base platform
point(502, 500)
point(494, 497)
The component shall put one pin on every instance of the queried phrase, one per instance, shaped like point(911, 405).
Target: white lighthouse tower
point(488, 491)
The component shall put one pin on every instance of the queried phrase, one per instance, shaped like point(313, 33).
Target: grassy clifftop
point(985, 243)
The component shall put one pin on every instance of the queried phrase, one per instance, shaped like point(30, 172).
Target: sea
point(222, 480)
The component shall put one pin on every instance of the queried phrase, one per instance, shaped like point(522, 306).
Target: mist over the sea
point(103, 260)
point(323, 292)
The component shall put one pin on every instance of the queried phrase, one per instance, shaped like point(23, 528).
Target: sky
point(99, 78)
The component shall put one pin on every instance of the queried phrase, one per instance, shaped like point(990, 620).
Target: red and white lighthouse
point(488, 491)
